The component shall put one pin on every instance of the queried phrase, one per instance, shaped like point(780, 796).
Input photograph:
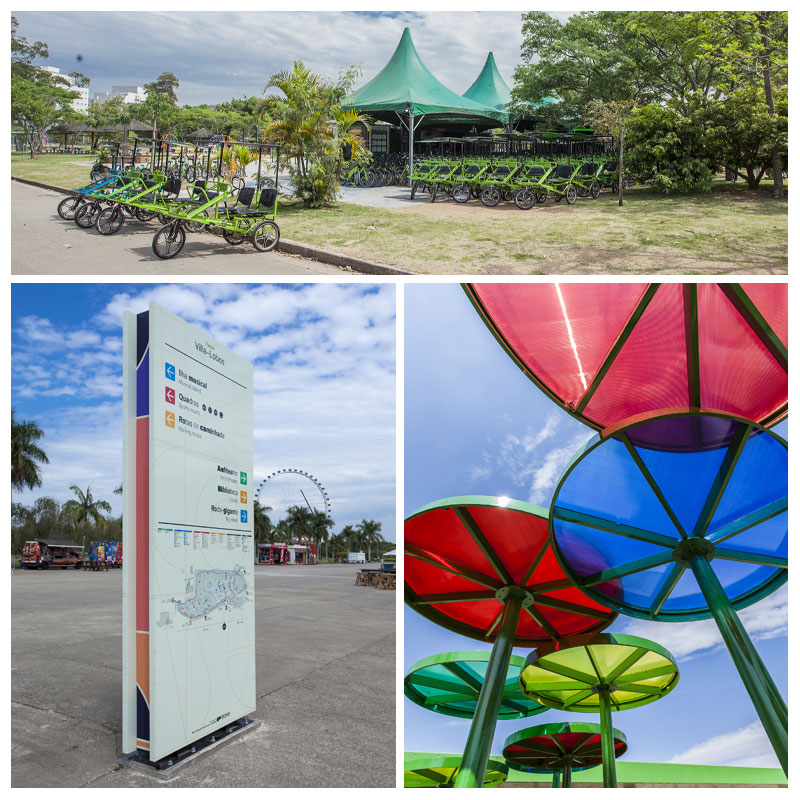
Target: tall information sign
point(188, 621)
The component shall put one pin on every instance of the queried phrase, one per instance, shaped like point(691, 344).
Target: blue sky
point(474, 424)
point(220, 55)
point(324, 366)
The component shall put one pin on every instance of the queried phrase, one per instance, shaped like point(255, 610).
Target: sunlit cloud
point(746, 747)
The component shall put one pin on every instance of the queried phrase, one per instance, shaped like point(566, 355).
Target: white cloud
point(324, 388)
point(767, 619)
point(747, 747)
point(453, 45)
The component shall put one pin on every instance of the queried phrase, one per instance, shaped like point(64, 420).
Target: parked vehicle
point(46, 553)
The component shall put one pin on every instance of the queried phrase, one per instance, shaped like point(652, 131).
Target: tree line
point(85, 518)
point(682, 93)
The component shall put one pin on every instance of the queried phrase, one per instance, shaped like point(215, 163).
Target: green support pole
point(556, 776)
point(769, 704)
point(566, 780)
point(479, 742)
point(607, 734)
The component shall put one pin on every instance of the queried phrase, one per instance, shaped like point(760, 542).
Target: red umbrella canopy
point(607, 352)
point(462, 554)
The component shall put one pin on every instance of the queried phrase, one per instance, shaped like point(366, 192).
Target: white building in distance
point(80, 104)
point(129, 95)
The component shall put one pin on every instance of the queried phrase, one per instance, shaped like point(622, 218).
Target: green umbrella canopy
point(441, 772)
point(490, 89)
point(406, 83)
point(449, 683)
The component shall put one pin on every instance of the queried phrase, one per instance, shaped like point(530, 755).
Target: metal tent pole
point(410, 145)
point(607, 737)
point(556, 777)
point(566, 780)
point(479, 742)
point(769, 704)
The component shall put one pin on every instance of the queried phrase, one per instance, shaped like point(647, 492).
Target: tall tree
point(298, 522)
point(370, 531)
point(39, 99)
point(592, 57)
point(85, 512)
point(321, 523)
point(26, 454)
point(262, 525)
point(161, 99)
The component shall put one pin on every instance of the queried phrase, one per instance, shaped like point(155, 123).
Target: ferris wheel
point(289, 487)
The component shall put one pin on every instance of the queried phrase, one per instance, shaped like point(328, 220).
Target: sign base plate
point(174, 764)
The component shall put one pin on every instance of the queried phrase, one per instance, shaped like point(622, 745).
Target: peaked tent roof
point(406, 82)
point(490, 89)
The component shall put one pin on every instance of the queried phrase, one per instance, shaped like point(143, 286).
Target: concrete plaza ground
point(44, 244)
point(325, 684)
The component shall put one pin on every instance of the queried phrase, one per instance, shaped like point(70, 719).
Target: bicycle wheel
point(169, 240)
point(434, 189)
point(237, 182)
point(490, 196)
point(461, 193)
point(145, 214)
point(194, 225)
point(571, 193)
point(507, 195)
point(595, 190)
point(524, 199)
point(232, 237)
point(413, 189)
point(541, 197)
point(110, 220)
point(266, 236)
point(68, 206)
point(582, 191)
point(369, 178)
point(86, 215)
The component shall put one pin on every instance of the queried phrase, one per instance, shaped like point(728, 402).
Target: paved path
point(325, 683)
point(44, 244)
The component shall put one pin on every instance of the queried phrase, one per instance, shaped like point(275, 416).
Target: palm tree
point(262, 525)
point(348, 533)
point(26, 455)
point(298, 521)
point(370, 531)
point(320, 523)
point(84, 512)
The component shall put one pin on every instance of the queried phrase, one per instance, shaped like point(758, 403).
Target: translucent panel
point(480, 614)
point(576, 658)
point(770, 537)
point(657, 682)
point(686, 595)
point(737, 373)
point(442, 532)
point(650, 660)
point(738, 578)
point(759, 478)
point(650, 371)
point(624, 698)
point(546, 570)
point(589, 551)
point(423, 578)
point(607, 483)
point(516, 537)
point(686, 433)
point(641, 589)
point(534, 323)
point(684, 479)
point(770, 299)
point(577, 597)
point(608, 657)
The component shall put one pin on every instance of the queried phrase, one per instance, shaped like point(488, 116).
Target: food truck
point(46, 553)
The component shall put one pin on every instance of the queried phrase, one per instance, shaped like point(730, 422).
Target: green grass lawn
point(729, 230)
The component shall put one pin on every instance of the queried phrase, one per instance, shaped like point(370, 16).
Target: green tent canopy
point(406, 86)
point(490, 89)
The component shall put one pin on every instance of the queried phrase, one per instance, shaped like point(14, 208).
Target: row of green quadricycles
point(234, 210)
point(525, 182)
